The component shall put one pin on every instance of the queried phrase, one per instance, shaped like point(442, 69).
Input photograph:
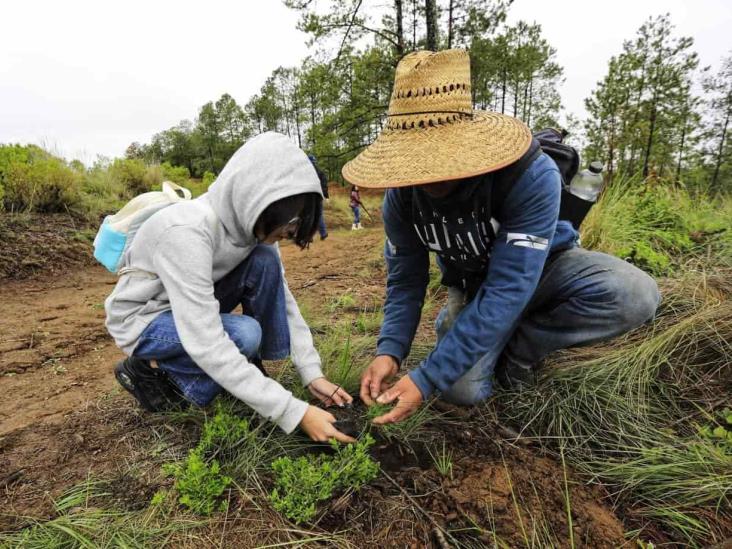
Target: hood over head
point(265, 169)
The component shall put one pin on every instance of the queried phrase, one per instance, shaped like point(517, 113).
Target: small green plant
point(404, 431)
point(720, 433)
point(199, 480)
point(442, 458)
point(344, 301)
point(300, 484)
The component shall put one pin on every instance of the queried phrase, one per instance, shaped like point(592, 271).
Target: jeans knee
point(641, 301)
point(246, 333)
point(468, 392)
point(265, 259)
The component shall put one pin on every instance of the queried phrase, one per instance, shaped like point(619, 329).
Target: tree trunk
point(531, 100)
point(720, 151)
point(652, 125)
point(431, 22)
point(681, 145)
point(449, 25)
point(399, 27)
point(503, 90)
point(414, 25)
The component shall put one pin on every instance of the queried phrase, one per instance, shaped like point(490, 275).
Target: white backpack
point(117, 231)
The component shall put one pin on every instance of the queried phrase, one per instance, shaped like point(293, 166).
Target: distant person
point(356, 208)
point(519, 285)
point(193, 263)
point(324, 187)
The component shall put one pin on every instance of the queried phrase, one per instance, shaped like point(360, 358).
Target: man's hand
point(329, 393)
point(318, 425)
point(374, 379)
point(408, 397)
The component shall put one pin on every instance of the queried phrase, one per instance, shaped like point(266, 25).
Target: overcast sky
point(89, 77)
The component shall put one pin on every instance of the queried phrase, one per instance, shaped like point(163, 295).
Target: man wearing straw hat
point(474, 188)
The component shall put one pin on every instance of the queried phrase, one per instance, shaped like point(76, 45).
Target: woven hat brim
point(465, 148)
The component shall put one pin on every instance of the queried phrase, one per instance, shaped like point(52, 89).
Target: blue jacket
point(527, 232)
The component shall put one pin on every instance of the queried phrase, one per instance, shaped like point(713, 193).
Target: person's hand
point(408, 399)
point(374, 379)
point(329, 393)
point(318, 425)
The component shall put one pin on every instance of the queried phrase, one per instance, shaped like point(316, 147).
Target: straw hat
point(432, 132)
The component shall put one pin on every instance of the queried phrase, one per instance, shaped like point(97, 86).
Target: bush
point(43, 185)
point(300, 484)
point(208, 178)
point(177, 174)
point(199, 480)
point(131, 174)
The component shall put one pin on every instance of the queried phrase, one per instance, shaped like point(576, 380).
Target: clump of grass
point(302, 483)
point(343, 302)
point(442, 458)
point(82, 521)
point(612, 408)
point(407, 431)
point(659, 227)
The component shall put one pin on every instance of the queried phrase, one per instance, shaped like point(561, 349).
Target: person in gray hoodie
point(193, 262)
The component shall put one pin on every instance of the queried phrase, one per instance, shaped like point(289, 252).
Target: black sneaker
point(514, 377)
point(323, 236)
point(151, 387)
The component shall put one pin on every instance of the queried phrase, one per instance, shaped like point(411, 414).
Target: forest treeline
point(656, 112)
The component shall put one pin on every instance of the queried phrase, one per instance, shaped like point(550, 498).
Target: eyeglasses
point(292, 226)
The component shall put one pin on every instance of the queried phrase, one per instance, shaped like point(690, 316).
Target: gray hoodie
point(181, 251)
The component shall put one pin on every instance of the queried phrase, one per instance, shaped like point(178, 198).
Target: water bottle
point(587, 184)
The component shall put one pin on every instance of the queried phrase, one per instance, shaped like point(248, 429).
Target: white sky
point(89, 77)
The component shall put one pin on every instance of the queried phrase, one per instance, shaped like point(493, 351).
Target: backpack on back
point(117, 231)
point(549, 141)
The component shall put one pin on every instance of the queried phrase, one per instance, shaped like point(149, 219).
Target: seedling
point(198, 479)
point(302, 483)
point(442, 459)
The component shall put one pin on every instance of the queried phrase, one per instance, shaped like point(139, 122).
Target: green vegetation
point(442, 458)
point(198, 479)
point(660, 228)
point(301, 483)
point(84, 520)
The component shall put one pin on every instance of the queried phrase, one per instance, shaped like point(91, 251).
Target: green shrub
point(153, 176)
point(199, 480)
point(300, 484)
point(177, 174)
point(45, 185)
point(208, 178)
point(131, 174)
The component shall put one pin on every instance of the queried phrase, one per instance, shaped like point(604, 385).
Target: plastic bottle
point(587, 183)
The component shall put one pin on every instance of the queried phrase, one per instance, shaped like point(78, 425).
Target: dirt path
point(56, 356)
point(54, 350)
point(66, 418)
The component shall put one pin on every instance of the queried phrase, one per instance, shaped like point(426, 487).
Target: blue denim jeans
point(356, 214)
point(583, 297)
point(260, 333)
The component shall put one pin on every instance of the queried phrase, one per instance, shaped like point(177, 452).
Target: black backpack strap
point(505, 178)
